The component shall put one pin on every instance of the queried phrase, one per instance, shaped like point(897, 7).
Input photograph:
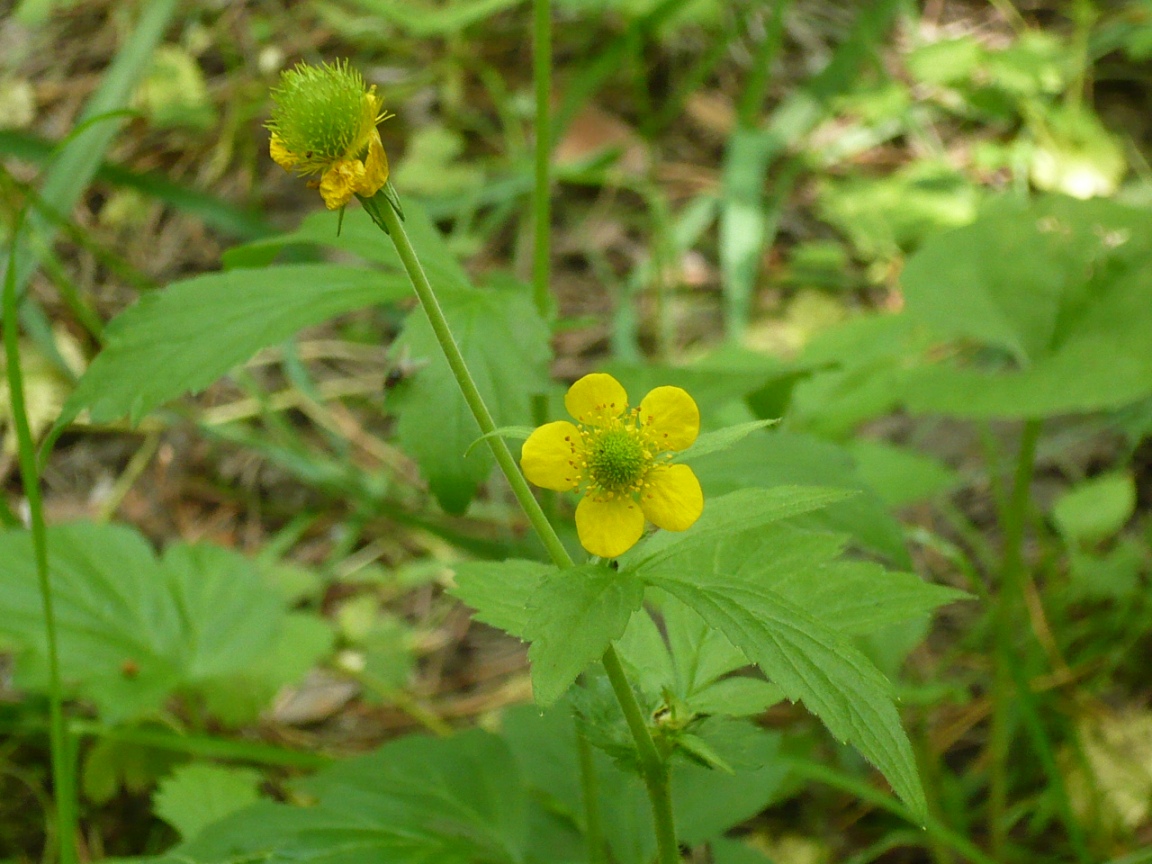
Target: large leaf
point(574, 615)
point(415, 801)
point(781, 597)
point(1059, 295)
point(693, 666)
point(133, 629)
point(812, 663)
point(181, 339)
point(804, 568)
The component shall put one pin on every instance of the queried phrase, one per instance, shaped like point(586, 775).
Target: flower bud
point(324, 122)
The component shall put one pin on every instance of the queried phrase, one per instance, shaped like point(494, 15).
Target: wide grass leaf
point(134, 629)
point(181, 339)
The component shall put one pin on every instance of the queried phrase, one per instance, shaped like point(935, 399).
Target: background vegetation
point(918, 233)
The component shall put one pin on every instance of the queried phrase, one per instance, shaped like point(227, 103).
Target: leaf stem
point(654, 766)
point(64, 792)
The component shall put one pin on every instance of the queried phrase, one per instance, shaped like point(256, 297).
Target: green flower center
point(617, 460)
point(319, 112)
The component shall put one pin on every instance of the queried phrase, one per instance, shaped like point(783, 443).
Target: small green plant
point(736, 581)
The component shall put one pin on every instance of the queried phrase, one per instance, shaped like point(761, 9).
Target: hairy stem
point(653, 764)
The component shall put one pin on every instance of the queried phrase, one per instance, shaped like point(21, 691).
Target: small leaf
point(197, 795)
point(721, 439)
point(500, 591)
point(574, 615)
point(1095, 509)
point(134, 629)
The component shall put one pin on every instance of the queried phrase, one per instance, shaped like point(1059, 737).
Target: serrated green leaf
point(810, 662)
point(198, 794)
point(573, 616)
point(134, 629)
point(181, 339)
point(801, 567)
point(692, 664)
point(735, 512)
point(500, 591)
point(721, 439)
point(780, 458)
point(781, 597)
point(706, 802)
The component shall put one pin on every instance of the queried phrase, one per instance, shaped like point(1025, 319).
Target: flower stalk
point(654, 767)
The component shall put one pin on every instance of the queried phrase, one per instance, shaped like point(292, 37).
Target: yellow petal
point(548, 455)
point(375, 168)
point(672, 417)
point(281, 155)
point(595, 397)
point(672, 498)
point(340, 181)
point(608, 528)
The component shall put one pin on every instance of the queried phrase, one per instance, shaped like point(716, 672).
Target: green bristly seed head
point(616, 461)
point(319, 110)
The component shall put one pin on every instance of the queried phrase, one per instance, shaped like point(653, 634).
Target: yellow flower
point(619, 458)
point(324, 122)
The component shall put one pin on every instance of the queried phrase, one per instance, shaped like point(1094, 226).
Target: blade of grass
point(932, 827)
point(70, 172)
point(237, 222)
point(203, 745)
point(752, 150)
point(63, 787)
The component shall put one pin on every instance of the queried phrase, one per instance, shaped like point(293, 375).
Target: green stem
point(590, 791)
point(541, 195)
point(1008, 625)
point(30, 479)
point(653, 765)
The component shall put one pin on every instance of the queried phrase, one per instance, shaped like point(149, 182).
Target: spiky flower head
point(324, 122)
